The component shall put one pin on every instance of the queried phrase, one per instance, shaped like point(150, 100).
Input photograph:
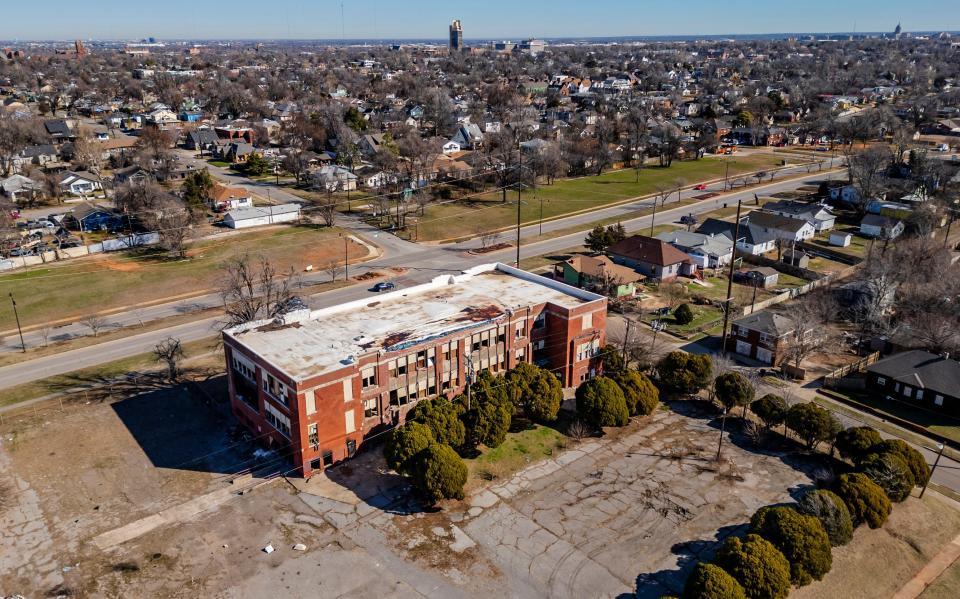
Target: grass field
point(487, 212)
point(75, 288)
point(518, 451)
point(947, 586)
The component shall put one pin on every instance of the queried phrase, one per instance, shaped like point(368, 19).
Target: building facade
point(456, 36)
point(319, 383)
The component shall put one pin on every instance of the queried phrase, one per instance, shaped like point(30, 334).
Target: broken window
point(540, 321)
point(371, 407)
point(368, 377)
point(313, 437)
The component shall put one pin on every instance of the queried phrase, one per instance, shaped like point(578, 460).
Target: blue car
point(384, 286)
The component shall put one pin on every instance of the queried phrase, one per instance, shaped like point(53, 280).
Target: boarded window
point(347, 391)
point(588, 321)
point(349, 421)
point(311, 398)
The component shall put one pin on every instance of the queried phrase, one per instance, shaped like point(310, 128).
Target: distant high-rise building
point(898, 31)
point(456, 35)
point(79, 49)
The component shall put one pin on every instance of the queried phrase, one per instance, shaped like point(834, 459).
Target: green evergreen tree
point(707, 581)
point(759, 567)
point(601, 403)
point(800, 538)
point(440, 473)
point(404, 443)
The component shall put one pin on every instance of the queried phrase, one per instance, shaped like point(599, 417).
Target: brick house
point(319, 383)
point(918, 377)
point(761, 336)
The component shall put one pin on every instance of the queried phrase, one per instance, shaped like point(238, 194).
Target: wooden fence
point(832, 380)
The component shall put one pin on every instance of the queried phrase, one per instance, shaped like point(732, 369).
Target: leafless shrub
point(171, 352)
point(578, 430)
point(45, 331)
point(753, 432)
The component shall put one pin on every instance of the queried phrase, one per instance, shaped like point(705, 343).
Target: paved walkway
point(929, 573)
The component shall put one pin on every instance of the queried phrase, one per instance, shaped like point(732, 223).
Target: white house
point(335, 178)
point(79, 183)
point(18, 186)
point(706, 251)
point(874, 225)
point(258, 216)
point(223, 198)
point(816, 214)
point(781, 227)
point(451, 147)
point(163, 116)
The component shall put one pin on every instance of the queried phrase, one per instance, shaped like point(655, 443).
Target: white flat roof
point(307, 343)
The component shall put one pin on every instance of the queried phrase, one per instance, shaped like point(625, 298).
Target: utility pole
point(726, 175)
point(723, 425)
point(519, 192)
point(726, 310)
point(541, 220)
point(940, 446)
point(626, 338)
point(654, 217)
point(23, 346)
point(346, 259)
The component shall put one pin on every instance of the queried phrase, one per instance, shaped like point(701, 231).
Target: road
point(421, 263)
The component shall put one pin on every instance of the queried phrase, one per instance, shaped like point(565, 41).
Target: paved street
point(422, 263)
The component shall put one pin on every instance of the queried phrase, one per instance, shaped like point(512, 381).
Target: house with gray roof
point(706, 251)
point(762, 336)
point(918, 377)
point(754, 241)
point(816, 214)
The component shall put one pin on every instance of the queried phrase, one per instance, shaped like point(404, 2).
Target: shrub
point(601, 403)
point(733, 389)
point(683, 314)
point(404, 443)
point(536, 391)
point(440, 473)
point(891, 473)
point(810, 422)
point(641, 395)
point(800, 538)
point(771, 409)
point(684, 373)
point(490, 414)
point(759, 567)
point(855, 442)
point(827, 507)
point(611, 360)
point(707, 581)
point(913, 458)
point(443, 418)
point(867, 502)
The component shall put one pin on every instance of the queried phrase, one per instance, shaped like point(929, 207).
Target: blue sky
point(178, 19)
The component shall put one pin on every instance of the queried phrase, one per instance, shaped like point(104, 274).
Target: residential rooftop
point(307, 343)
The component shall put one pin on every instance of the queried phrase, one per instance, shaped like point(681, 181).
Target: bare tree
point(809, 318)
point(45, 331)
point(327, 206)
point(673, 293)
point(333, 268)
point(94, 322)
point(489, 238)
point(170, 352)
point(173, 225)
point(253, 291)
point(868, 174)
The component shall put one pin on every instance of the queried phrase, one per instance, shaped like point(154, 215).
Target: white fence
point(109, 245)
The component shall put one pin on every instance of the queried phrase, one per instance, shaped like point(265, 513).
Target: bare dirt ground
point(609, 517)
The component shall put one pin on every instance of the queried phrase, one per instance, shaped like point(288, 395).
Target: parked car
point(688, 219)
point(943, 148)
point(384, 286)
point(21, 251)
point(700, 187)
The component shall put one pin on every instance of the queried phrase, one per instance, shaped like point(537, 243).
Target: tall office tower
point(456, 35)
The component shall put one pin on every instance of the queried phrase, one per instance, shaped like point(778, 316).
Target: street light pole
point(346, 259)
point(726, 311)
point(23, 346)
point(940, 446)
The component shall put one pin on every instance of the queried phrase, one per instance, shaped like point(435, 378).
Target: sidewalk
point(929, 573)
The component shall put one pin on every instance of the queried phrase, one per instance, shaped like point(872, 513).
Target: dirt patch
point(375, 274)
point(491, 248)
point(128, 265)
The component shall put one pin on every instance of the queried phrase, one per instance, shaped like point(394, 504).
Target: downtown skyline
point(497, 19)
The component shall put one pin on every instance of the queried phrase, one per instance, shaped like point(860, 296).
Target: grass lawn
point(487, 212)
point(936, 422)
point(702, 315)
point(520, 449)
point(74, 288)
point(859, 246)
point(219, 163)
point(97, 374)
point(946, 586)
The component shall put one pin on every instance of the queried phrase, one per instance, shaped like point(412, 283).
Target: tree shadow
point(670, 581)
